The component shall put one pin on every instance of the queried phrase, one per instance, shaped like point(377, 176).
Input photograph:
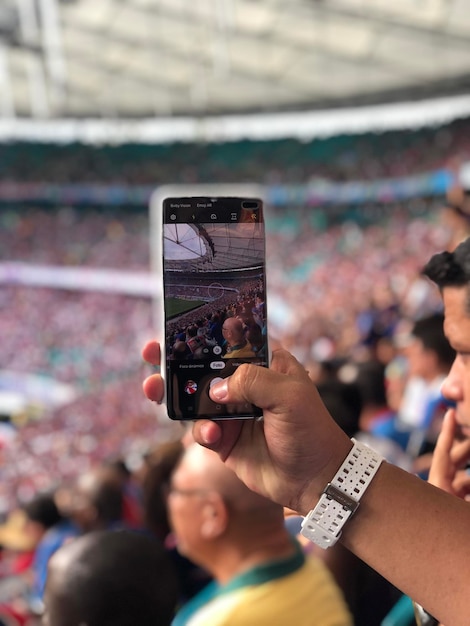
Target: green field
point(175, 306)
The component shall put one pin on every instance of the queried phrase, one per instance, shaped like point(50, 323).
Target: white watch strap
point(340, 498)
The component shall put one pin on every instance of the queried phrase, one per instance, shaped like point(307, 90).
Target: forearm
point(417, 537)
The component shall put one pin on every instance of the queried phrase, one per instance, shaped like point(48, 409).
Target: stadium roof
point(212, 247)
point(116, 59)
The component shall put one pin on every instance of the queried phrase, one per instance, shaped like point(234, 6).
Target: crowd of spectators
point(114, 238)
point(337, 282)
point(347, 157)
point(195, 333)
point(95, 545)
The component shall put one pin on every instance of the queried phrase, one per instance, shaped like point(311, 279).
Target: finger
point(461, 484)
point(153, 388)
point(220, 436)
point(207, 433)
point(151, 352)
point(446, 438)
point(460, 453)
point(265, 387)
point(285, 363)
point(442, 469)
point(274, 344)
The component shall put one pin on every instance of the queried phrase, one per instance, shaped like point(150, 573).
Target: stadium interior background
point(354, 147)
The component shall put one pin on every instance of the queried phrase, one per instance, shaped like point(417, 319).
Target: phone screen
point(214, 298)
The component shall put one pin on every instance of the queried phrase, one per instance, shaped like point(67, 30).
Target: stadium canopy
point(173, 59)
point(213, 247)
point(205, 248)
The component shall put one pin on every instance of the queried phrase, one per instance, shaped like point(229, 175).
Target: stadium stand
point(369, 156)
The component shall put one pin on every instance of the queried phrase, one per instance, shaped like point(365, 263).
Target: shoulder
point(190, 612)
point(304, 597)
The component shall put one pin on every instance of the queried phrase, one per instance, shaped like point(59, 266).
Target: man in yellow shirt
point(260, 575)
point(236, 343)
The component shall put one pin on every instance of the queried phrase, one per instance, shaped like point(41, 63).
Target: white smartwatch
point(341, 497)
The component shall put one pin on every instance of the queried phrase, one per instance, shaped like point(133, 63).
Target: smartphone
point(214, 295)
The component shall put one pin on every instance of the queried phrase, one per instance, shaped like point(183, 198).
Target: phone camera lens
point(250, 205)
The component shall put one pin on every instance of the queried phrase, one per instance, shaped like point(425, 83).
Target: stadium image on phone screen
point(214, 299)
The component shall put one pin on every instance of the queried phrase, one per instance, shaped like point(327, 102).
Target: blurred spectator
point(344, 402)
point(17, 549)
point(96, 500)
point(13, 536)
point(429, 359)
point(369, 376)
point(240, 537)
point(132, 505)
point(161, 462)
point(34, 532)
point(49, 529)
point(111, 578)
point(455, 215)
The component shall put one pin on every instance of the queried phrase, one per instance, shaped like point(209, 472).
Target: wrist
point(312, 492)
point(341, 496)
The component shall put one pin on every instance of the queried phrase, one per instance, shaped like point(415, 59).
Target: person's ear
point(214, 517)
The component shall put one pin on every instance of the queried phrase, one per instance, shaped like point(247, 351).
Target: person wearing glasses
point(261, 576)
point(416, 534)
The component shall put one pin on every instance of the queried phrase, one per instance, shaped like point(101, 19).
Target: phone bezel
point(241, 193)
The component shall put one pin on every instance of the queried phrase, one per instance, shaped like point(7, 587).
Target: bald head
point(218, 522)
point(233, 330)
point(202, 469)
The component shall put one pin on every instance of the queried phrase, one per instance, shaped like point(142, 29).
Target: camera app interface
point(214, 290)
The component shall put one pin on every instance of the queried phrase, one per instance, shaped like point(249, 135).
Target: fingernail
point(220, 391)
point(205, 433)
